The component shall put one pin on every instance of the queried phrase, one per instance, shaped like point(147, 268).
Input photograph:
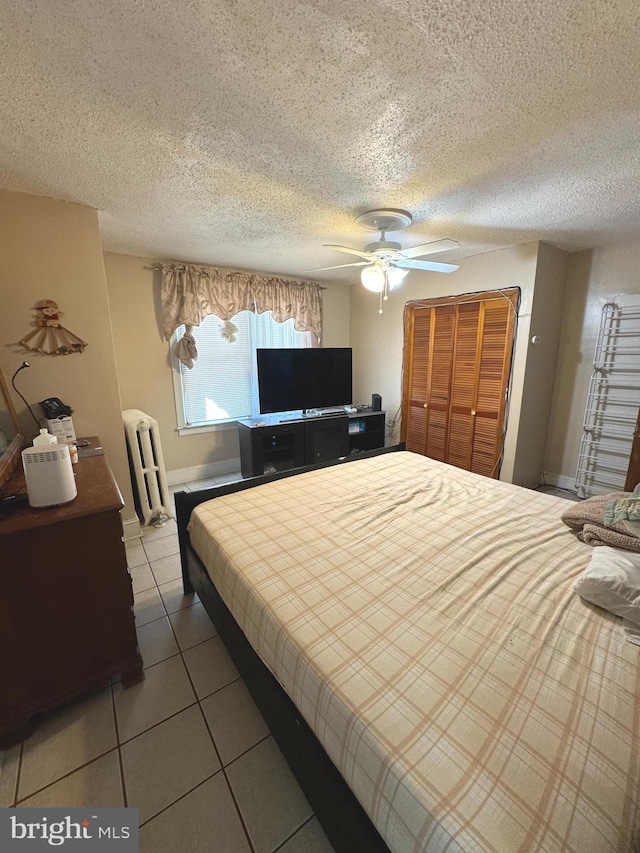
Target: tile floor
point(559, 493)
point(186, 746)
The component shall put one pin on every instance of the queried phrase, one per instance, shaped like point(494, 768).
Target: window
point(222, 386)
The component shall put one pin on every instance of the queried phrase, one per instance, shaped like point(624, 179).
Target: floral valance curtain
point(189, 293)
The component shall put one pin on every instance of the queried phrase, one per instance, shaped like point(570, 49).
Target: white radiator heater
point(147, 467)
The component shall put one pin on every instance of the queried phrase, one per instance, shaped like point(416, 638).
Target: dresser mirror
point(11, 439)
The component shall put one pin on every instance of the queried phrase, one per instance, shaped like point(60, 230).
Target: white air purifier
point(49, 475)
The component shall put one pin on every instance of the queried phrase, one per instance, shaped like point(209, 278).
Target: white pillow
point(612, 581)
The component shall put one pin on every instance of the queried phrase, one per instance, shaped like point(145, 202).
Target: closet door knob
point(425, 405)
point(473, 411)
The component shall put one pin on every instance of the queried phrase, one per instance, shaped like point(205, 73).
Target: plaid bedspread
point(422, 619)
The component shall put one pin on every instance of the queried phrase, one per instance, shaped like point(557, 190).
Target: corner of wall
point(594, 277)
point(63, 240)
point(542, 346)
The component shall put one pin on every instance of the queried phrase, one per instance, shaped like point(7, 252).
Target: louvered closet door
point(429, 396)
point(494, 359)
point(464, 381)
point(418, 331)
point(439, 386)
point(456, 371)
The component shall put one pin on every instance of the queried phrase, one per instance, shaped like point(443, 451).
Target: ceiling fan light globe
point(372, 278)
point(396, 276)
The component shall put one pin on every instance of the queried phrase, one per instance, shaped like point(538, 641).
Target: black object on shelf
point(53, 407)
point(12, 501)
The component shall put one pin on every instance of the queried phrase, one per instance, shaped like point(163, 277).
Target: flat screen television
point(292, 379)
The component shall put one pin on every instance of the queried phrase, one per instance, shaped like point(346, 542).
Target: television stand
point(271, 445)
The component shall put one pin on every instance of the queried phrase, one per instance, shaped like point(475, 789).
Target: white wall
point(594, 278)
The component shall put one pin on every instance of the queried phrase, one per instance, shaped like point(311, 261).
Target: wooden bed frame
point(343, 819)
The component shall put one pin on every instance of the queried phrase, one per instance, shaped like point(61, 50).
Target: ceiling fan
point(385, 263)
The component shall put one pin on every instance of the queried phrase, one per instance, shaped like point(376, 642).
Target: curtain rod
point(158, 268)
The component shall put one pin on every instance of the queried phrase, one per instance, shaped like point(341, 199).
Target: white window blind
point(223, 383)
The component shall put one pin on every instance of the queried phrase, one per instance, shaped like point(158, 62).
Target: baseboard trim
point(559, 480)
point(200, 472)
point(131, 529)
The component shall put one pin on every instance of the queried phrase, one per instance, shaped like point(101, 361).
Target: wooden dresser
point(66, 618)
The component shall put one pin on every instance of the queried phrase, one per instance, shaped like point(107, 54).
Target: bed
point(411, 634)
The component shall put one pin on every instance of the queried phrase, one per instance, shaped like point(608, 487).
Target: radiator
point(146, 463)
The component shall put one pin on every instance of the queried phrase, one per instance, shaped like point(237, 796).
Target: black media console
point(271, 444)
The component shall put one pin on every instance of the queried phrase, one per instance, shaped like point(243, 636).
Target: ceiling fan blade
point(360, 254)
point(426, 265)
point(430, 248)
point(338, 266)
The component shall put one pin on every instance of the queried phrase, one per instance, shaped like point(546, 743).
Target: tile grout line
point(66, 775)
point(213, 743)
point(180, 650)
point(128, 740)
point(219, 689)
point(16, 787)
point(177, 800)
point(169, 657)
point(249, 748)
point(201, 643)
point(295, 832)
point(120, 763)
point(227, 780)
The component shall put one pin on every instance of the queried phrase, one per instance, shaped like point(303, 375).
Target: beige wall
point(144, 367)
point(545, 324)
point(52, 250)
point(336, 315)
point(594, 277)
point(377, 339)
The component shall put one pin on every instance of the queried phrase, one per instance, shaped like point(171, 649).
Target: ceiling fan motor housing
point(384, 248)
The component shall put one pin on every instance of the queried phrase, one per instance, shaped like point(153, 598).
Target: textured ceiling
point(247, 133)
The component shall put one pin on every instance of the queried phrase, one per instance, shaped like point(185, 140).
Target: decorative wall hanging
point(50, 337)
point(229, 332)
